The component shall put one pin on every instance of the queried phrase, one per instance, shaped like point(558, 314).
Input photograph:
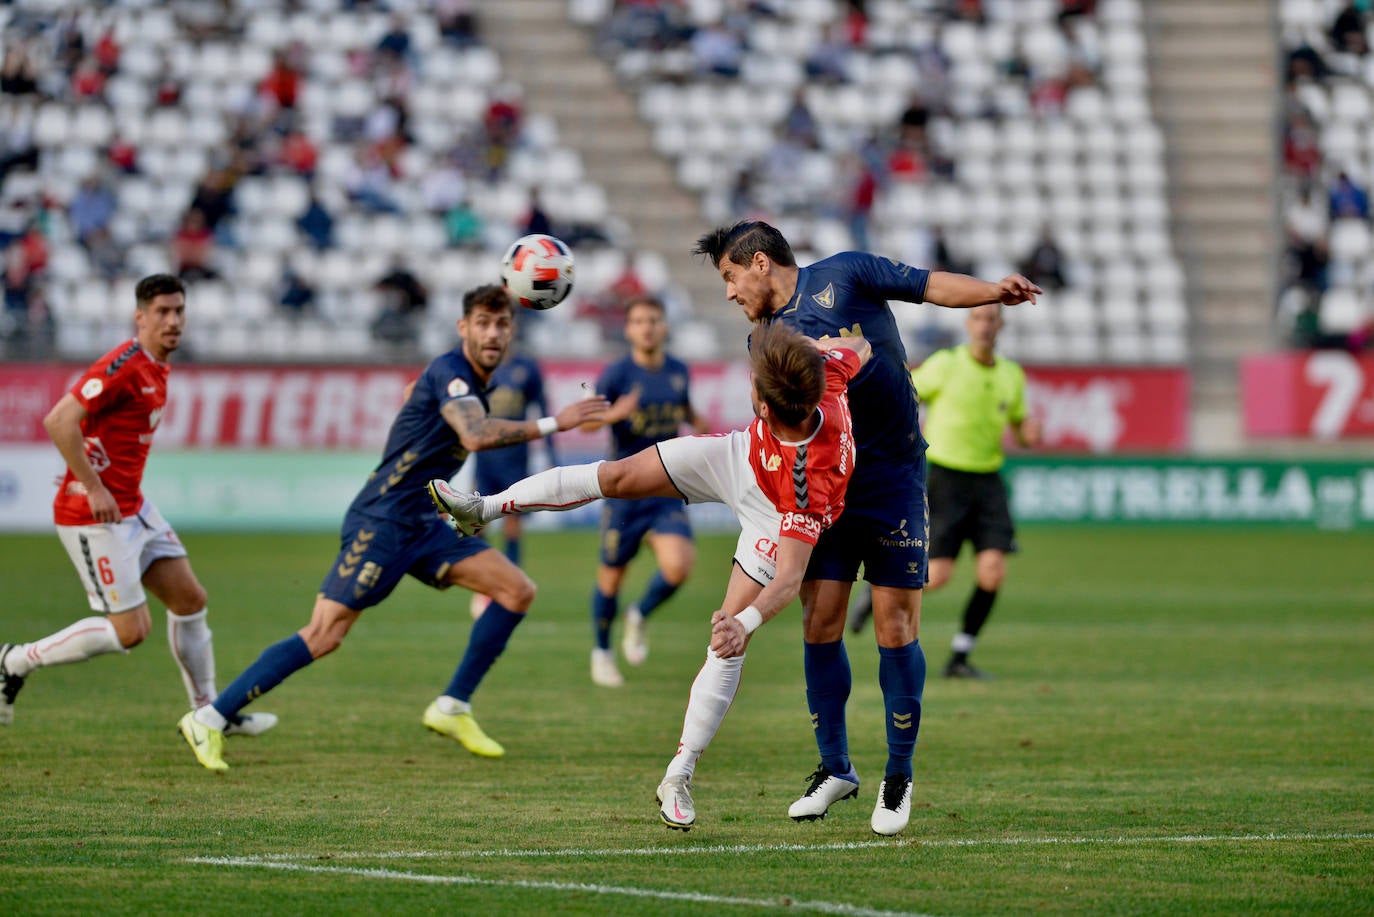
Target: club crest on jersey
point(826, 298)
point(457, 388)
point(91, 388)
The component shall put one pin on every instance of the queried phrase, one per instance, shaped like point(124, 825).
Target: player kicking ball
point(785, 479)
point(390, 531)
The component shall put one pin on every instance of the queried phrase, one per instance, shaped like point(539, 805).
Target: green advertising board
point(309, 491)
point(250, 490)
point(1322, 494)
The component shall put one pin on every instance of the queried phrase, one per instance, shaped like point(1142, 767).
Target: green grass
point(1181, 724)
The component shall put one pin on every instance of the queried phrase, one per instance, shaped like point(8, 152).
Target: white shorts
point(111, 558)
point(716, 469)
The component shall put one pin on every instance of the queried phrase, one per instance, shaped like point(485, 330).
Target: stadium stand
point(1328, 142)
point(983, 136)
point(290, 158)
point(284, 161)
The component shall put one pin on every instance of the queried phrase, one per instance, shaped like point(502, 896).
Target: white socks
point(188, 637)
point(712, 693)
point(962, 643)
point(452, 706)
point(559, 488)
point(75, 643)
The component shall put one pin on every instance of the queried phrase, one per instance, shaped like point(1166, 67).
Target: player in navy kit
point(650, 401)
point(391, 530)
point(516, 387)
point(885, 524)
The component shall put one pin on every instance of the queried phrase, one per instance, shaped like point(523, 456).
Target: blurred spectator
point(403, 299)
point(395, 42)
point(123, 155)
point(106, 52)
point(282, 84)
point(501, 125)
point(457, 22)
point(863, 192)
point(17, 148)
point(1302, 155)
point(799, 124)
point(463, 225)
point(1348, 199)
point(1304, 63)
point(536, 220)
point(25, 259)
point(299, 153)
point(369, 181)
point(91, 209)
point(214, 197)
point(828, 60)
point(88, 82)
point(192, 247)
point(295, 297)
point(18, 72)
point(1044, 264)
point(716, 51)
point(1348, 29)
point(107, 258)
point(316, 224)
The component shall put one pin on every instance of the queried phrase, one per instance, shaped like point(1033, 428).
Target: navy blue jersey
point(515, 387)
point(421, 445)
point(846, 295)
point(663, 403)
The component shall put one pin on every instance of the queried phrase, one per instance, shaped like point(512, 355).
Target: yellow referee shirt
point(968, 406)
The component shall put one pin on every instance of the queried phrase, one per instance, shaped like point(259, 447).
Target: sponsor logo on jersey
point(826, 298)
point(457, 388)
point(803, 524)
point(92, 387)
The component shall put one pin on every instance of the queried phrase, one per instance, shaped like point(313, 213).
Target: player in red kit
point(785, 478)
point(119, 542)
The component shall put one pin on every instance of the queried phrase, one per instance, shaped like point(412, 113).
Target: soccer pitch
point(1181, 724)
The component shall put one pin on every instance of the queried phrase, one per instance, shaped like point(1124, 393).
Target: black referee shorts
point(968, 506)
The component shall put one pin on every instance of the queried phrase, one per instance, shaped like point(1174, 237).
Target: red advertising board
point(1108, 409)
point(1318, 394)
point(227, 407)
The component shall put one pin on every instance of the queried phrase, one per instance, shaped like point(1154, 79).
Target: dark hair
point(789, 372)
point(652, 302)
point(740, 241)
point(155, 285)
point(491, 296)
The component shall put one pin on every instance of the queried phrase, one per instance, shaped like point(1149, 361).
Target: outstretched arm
point(960, 291)
point(477, 430)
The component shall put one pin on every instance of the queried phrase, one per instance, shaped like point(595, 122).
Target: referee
point(970, 395)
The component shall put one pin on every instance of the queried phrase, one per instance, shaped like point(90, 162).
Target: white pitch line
point(791, 904)
point(734, 849)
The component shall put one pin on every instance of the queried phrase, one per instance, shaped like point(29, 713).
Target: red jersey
point(124, 393)
point(806, 480)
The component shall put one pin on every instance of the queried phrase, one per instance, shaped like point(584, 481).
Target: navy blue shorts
point(890, 543)
point(375, 554)
point(496, 469)
point(624, 523)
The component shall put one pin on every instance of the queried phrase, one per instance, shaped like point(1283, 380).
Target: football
point(538, 270)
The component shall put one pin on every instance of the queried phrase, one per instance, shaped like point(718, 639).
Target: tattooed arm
point(477, 430)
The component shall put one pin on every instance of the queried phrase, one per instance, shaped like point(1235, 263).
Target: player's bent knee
point(132, 626)
point(516, 595)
